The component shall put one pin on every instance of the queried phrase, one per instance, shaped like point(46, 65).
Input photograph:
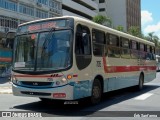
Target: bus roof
point(97, 26)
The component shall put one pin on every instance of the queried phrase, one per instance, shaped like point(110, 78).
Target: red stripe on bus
point(35, 76)
point(5, 59)
point(45, 76)
point(115, 69)
point(75, 75)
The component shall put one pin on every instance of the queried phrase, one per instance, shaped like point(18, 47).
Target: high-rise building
point(14, 12)
point(83, 8)
point(126, 13)
point(133, 13)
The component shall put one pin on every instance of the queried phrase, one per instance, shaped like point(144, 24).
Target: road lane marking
point(143, 96)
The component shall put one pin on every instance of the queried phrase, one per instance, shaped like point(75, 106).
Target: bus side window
point(125, 52)
point(150, 53)
point(142, 51)
point(83, 46)
point(134, 49)
point(113, 46)
point(153, 53)
point(98, 42)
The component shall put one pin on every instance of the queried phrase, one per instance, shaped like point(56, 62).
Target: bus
point(69, 58)
point(6, 46)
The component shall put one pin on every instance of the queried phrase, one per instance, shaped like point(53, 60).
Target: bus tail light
point(59, 95)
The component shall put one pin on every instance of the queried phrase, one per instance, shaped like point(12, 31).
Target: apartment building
point(14, 12)
point(82, 8)
point(126, 13)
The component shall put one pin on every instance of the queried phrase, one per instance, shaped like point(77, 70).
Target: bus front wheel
point(96, 92)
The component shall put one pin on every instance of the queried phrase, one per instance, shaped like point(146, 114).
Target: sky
point(150, 16)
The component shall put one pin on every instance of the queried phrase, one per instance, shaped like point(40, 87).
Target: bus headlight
point(63, 80)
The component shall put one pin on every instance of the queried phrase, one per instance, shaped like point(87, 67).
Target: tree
point(120, 28)
point(150, 35)
point(153, 38)
point(156, 40)
point(135, 31)
point(103, 20)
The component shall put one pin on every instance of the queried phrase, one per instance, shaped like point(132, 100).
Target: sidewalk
point(6, 90)
point(5, 86)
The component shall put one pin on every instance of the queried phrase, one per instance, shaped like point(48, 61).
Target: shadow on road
point(4, 80)
point(84, 108)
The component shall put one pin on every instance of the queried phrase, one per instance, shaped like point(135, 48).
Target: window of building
point(102, 9)
point(51, 15)
point(45, 2)
point(26, 10)
point(41, 14)
point(7, 22)
point(55, 5)
point(10, 5)
point(101, 1)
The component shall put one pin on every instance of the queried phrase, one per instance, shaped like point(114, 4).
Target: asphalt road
point(123, 103)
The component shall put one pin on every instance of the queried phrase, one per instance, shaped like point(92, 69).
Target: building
point(14, 12)
point(82, 8)
point(126, 13)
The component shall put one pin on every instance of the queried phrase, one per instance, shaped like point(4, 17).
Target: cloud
point(153, 28)
point(146, 17)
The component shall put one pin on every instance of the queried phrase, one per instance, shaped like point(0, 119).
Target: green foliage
point(135, 31)
point(120, 28)
point(103, 20)
point(153, 38)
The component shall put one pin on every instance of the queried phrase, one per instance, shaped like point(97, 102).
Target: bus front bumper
point(60, 93)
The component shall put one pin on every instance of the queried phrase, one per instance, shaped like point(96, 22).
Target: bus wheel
point(141, 82)
point(96, 92)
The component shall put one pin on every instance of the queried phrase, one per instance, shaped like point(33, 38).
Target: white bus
point(68, 58)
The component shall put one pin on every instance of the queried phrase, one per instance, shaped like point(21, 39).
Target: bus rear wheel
point(96, 92)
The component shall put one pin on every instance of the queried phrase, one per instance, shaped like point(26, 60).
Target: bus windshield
point(43, 51)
